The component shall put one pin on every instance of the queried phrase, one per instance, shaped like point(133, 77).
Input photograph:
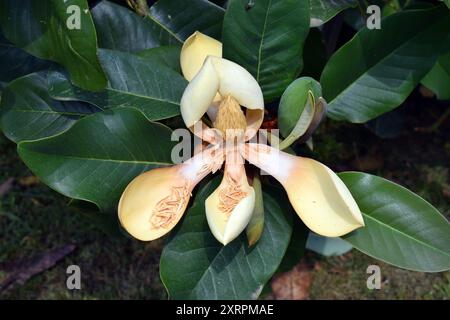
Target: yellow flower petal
point(317, 194)
point(227, 78)
point(230, 207)
point(154, 202)
point(237, 82)
point(194, 52)
point(199, 94)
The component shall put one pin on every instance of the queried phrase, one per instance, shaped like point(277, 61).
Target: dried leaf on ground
point(18, 272)
point(294, 284)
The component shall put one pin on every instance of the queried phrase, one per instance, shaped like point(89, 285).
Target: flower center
point(230, 119)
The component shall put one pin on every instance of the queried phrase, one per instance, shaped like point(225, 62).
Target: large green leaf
point(183, 18)
point(401, 228)
point(39, 27)
point(195, 266)
point(15, 62)
point(27, 112)
point(375, 71)
point(267, 39)
point(119, 28)
point(168, 56)
point(140, 82)
point(167, 22)
point(96, 158)
point(324, 10)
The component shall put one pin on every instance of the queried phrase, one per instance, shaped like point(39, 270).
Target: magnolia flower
point(154, 202)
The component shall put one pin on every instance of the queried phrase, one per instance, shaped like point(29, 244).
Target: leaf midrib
point(162, 26)
point(262, 40)
point(405, 234)
point(62, 113)
point(142, 96)
point(94, 159)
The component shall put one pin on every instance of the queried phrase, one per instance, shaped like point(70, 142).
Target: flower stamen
point(230, 196)
point(230, 119)
point(169, 208)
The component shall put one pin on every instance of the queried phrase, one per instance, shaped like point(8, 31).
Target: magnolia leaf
point(267, 40)
point(61, 31)
point(375, 71)
point(323, 10)
point(183, 18)
point(15, 63)
point(401, 228)
point(168, 56)
point(168, 22)
point(140, 82)
point(99, 155)
point(27, 112)
point(119, 28)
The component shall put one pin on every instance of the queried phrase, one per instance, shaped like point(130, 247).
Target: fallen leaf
point(18, 272)
point(294, 284)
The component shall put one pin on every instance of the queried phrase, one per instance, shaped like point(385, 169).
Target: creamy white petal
point(228, 78)
point(239, 83)
point(194, 52)
point(229, 208)
point(154, 202)
point(199, 94)
point(317, 194)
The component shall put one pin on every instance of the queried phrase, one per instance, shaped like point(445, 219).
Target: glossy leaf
point(167, 22)
point(401, 228)
point(267, 39)
point(375, 71)
point(327, 246)
point(324, 10)
point(41, 28)
point(196, 266)
point(168, 56)
point(142, 83)
point(27, 112)
point(15, 63)
point(120, 28)
point(183, 18)
point(107, 149)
